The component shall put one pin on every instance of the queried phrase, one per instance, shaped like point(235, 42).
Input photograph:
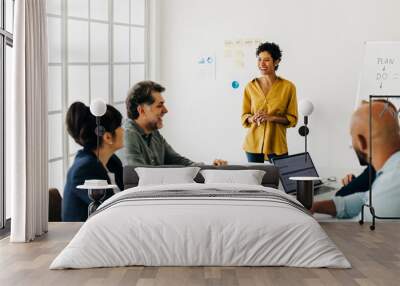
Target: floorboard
point(374, 255)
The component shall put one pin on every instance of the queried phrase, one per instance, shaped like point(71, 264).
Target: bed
point(197, 224)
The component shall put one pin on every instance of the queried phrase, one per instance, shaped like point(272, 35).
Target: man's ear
point(277, 62)
point(140, 109)
point(362, 143)
point(107, 138)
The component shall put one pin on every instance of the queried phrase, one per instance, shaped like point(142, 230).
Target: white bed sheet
point(200, 231)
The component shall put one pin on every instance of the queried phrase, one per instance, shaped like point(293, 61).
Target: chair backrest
point(270, 179)
point(55, 203)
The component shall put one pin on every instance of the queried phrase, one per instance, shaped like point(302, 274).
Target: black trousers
point(259, 157)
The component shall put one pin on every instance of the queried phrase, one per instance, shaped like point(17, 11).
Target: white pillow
point(166, 176)
point(248, 177)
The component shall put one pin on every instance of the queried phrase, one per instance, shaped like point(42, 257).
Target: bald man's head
point(385, 128)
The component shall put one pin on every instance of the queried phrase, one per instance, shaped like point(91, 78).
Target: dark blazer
point(358, 184)
point(86, 167)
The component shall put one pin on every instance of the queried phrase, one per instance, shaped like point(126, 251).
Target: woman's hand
point(250, 119)
point(262, 117)
point(254, 119)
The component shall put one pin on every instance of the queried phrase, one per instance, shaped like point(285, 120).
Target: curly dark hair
point(139, 94)
point(272, 48)
point(81, 124)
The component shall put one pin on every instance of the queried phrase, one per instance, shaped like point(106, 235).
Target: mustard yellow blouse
point(269, 137)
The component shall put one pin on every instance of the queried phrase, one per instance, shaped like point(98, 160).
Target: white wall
point(322, 41)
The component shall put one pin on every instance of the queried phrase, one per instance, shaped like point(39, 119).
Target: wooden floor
point(374, 255)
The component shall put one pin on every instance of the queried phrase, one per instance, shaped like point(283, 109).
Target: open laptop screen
point(295, 166)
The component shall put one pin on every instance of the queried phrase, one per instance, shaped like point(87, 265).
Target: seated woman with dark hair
point(81, 125)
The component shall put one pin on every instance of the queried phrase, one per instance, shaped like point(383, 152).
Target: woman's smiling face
point(266, 63)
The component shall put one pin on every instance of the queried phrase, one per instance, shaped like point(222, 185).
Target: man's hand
point(347, 179)
point(219, 162)
point(324, 207)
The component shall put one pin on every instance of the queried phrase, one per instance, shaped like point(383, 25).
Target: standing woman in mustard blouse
point(269, 108)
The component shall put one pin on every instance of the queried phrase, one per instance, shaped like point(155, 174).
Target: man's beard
point(152, 126)
point(362, 158)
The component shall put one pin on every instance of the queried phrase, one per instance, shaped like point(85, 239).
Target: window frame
point(67, 153)
point(6, 39)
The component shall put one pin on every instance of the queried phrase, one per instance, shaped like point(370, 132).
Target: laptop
point(298, 165)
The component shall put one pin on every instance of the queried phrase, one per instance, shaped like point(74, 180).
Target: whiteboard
point(380, 73)
point(238, 64)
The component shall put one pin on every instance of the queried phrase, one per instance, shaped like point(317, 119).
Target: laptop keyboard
point(323, 189)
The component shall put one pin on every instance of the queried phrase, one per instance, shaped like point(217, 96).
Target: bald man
point(385, 159)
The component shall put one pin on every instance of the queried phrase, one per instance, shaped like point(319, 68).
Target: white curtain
point(28, 125)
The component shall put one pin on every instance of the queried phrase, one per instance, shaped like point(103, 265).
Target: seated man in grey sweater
point(144, 145)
